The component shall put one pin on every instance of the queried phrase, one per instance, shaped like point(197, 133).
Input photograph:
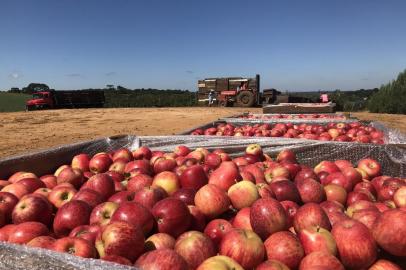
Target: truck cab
point(40, 100)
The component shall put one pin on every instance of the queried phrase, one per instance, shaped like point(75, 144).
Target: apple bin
point(392, 158)
point(323, 130)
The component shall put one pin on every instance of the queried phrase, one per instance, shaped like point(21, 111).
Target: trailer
point(52, 99)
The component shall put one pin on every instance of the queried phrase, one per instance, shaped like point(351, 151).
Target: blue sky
point(293, 45)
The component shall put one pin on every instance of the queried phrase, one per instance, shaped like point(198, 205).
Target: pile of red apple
point(293, 116)
point(340, 132)
point(196, 209)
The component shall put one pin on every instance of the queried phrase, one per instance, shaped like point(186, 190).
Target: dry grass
point(27, 131)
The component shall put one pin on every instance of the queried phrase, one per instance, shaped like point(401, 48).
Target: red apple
point(169, 181)
point(87, 232)
point(389, 231)
point(225, 175)
point(61, 195)
point(243, 194)
point(272, 265)
point(291, 209)
point(336, 193)
point(273, 172)
point(163, 259)
point(142, 153)
point(122, 239)
point(265, 191)
point(122, 154)
point(118, 166)
point(159, 241)
point(186, 195)
point(43, 191)
point(26, 231)
point(317, 239)
point(90, 196)
point(61, 168)
point(216, 229)
point(193, 177)
point(267, 217)
point(75, 246)
point(17, 189)
point(32, 208)
point(194, 247)
point(305, 173)
point(311, 191)
point(149, 196)
point(370, 166)
point(49, 180)
point(285, 247)
point(32, 184)
point(101, 183)
point(81, 162)
point(360, 205)
point(69, 216)
point(72, 176)
point(326, 166)
point(138, 182)
point(242, 219)
point(286, 155)
point(359, 195)
point(21, 175)
point(355, 244)
point(100, 163)
point(46, 242)
point(342, 164)
point(198, 222)
point(135, 214)
point(366, 217)
point(285, 190)
point(7, 203)
point(102, 213)
point(220, 263)
point(310, 214)
point(142, 166)
point(320, 260)
point(244, 246)
point(5, 232)
point(339, 179)
point(213, 160)
point(172, 216)
point(399, 197)
point(212, 201)
point(384, 265)
point(117, 259)
point(352, 174)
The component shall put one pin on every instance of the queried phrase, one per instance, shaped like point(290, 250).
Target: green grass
point(13, 102)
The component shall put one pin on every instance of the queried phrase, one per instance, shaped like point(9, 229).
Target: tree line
point(391, 97)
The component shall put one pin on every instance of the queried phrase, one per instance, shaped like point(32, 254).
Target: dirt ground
point(22, 132)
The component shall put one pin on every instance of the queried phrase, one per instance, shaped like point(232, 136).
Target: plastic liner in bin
point(18, 257)
point(392, 136)
point(392, 158)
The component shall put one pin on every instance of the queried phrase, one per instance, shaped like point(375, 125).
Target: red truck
point(52, 99)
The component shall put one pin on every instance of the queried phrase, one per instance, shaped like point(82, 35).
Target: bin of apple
point(196, 209)
point(293, 116)
point(340, 132)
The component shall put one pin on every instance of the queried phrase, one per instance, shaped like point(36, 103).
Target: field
point(22, 132)
point(12, 102)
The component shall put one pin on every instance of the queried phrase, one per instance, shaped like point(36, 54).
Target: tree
point(391, 97)
point(35, 87)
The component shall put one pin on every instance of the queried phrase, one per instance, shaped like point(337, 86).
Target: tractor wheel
point(245, 99)
point(223, 103)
